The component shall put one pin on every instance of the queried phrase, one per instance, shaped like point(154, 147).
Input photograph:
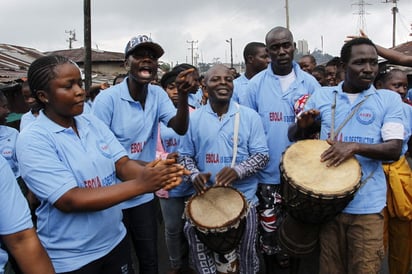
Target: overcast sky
point(174, 24)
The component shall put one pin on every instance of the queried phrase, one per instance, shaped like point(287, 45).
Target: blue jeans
point(172, 210)
point(141, 225)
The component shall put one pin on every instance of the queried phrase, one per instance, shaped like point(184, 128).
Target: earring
point(46, 100)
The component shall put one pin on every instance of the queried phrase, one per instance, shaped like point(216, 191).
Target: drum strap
point(334, 133)
point(235, 135)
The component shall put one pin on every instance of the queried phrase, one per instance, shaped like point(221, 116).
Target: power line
point(361, 12)
point(72, 37)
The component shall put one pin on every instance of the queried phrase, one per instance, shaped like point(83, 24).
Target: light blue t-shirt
point(407, 126)
point(239, 87)
point(209, 142)
point(26, 119)
point(14, 211)
point(195, 99)
point(276, 109)
point(8, 138)
point(364, 127)
point(409, 94)
point(135, 128)
point(53, 160)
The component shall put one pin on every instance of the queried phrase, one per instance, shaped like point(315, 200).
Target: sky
point(206, 25)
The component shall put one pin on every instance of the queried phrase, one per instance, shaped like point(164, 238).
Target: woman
point(172, 202)
point(72, 163)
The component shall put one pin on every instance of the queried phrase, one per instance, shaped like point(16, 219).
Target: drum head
point(218, 207)
point(302, 166)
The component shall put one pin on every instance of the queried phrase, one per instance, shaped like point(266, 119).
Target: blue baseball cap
point(143, 41)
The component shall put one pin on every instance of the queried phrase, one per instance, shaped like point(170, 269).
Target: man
point(211, 134)
point(307, 63)
point(371, 129)
point(133, 110)
point(273, 93)
point(256, 59)
point(331, 68)
point(319, 73)
point(16, 228)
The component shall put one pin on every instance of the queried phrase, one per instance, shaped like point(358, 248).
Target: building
point(15, 62)
point(106, 65)
point(303, 47)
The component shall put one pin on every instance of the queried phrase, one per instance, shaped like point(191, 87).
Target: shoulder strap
point(334, 133)
point(235, 135)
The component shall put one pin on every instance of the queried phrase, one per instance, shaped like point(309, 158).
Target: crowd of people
point(83, 175)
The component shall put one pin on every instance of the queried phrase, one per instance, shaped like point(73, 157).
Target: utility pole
point(361, 12)
point(230, 41)
point(72, 37)
point(321, 42)
point(87, 46)
point(287, 13)
point(394, 12)
point(192, 48)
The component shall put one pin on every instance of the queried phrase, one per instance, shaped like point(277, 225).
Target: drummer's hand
point(173, 155)
point(307, 118)
point(199, 183)
point(337, 153)
point(187, 81)
point(226, 176)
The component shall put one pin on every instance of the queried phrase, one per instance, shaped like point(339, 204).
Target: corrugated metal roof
point(405, 48)
point(15, 61)
point(77, 55)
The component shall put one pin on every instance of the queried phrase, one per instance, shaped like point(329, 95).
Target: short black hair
point(335, 61)
point(320, 69)
point(252, 49)
point(170, 76)
point(346, 50)
point(310, 56)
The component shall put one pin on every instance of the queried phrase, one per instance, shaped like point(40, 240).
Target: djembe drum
point(313, 193)
point(219, 217)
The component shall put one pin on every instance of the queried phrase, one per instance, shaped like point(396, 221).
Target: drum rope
point(334, 133)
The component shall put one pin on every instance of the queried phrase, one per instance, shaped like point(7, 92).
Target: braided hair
point(42, 71)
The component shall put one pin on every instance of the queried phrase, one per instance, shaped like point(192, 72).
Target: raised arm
point(187, 82)
point(393, 56)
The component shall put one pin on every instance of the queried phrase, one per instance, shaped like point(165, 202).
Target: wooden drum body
point(219, 217)
point(312, 192)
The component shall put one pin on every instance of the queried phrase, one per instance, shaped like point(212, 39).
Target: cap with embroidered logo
point(143, 41)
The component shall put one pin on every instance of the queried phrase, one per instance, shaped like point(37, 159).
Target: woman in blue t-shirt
point(71, 162)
